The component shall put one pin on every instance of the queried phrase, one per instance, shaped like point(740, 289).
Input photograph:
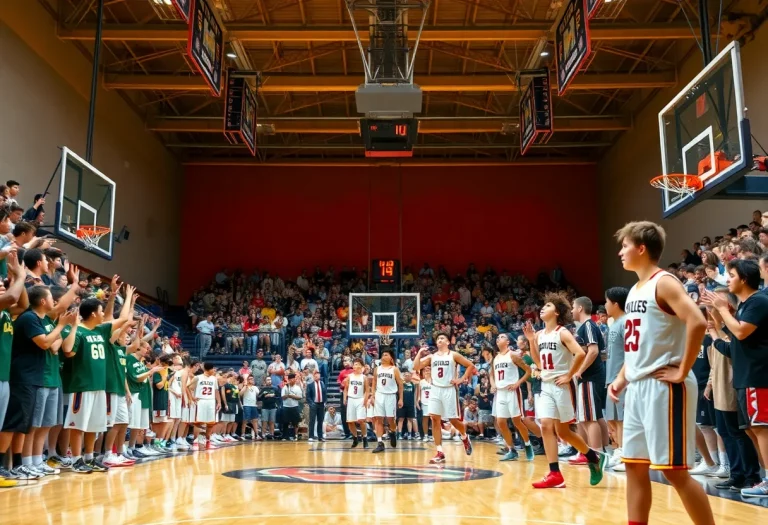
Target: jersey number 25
point(632, 335)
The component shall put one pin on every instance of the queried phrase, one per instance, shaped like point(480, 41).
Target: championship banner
point(572, 42)
point(206, 44)
point(183, 7)
point(592, 8)
point(240, 112)
point(248, 119)
point(535, 112)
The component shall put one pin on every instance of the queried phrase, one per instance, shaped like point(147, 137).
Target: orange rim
point(678, 183)
point(384, 330)
point(84, 232)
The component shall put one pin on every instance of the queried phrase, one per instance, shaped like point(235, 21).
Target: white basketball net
point(680, 184)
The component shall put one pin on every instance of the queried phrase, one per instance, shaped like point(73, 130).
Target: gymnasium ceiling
point(466, 64)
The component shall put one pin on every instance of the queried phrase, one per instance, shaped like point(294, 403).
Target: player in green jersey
point(88, 403)
point(8, 298)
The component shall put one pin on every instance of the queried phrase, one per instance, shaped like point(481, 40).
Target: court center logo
point(362, 475)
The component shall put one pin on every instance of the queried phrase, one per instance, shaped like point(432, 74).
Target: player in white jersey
point(425, 388)
point(355, 395)
point(387, 397)
point(663, 333)
point(508, 401)
point(444, 396)
point(175, 402)
point(558, 356)
point(207, 403)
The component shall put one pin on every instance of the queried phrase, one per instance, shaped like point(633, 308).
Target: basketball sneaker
point(580, 459)
point(379, 447)
point(210, 446)
point(195, 447)
point(59, 462)
point(467, 445)
point(596, 469)
point(702, 469)
point(425, 438)
point(45, 469)
point(502, 451)
point(723, 471)
point(354, 442)
point(7, 474)
point(510, 456)
point(566, 451)
point(97, 466)
point(393, 439)
point(365, 441)
point(439, 458)
point(758, 491)
point(80, 467)
point(553, 480)
point(530, 454)
point(113, 460)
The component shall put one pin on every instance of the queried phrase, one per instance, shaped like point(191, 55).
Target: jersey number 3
point(632, 335)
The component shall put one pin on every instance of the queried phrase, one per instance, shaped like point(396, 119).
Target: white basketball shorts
point(355, 409)
point(117, 410)
point(87, 412)
point(557, 402)
point(384, 405)
point(369, 412)
point(508, 403)
point(660, 423)
point(206, 411)
point(174, 407)
point(139, 416)
point(444, 402)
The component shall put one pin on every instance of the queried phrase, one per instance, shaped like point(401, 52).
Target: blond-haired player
point(663, 330)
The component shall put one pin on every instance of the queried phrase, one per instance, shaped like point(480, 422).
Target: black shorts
point(407, 412)
point(21, 406)
point(705, 410)
point(291, 415)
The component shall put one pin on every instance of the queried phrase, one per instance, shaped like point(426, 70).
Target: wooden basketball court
point(271, 483)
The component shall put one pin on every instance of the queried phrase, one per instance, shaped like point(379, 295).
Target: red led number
point(632, 335)
point(401, 130)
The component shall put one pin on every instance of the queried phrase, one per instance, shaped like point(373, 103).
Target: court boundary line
point(377, 515)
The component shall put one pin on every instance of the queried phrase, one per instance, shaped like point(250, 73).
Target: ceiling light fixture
point(545, 53)
point(231, 55)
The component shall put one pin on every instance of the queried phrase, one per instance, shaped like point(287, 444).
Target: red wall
point(284, 219)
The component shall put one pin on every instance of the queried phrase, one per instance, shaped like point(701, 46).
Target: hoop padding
point(91, 235)
point(685, 185)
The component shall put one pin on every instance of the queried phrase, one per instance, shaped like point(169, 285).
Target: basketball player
point(355, 395)
point(88, 402)
point(444, 396)
point(508, 402)
point(206, 402)
point(615, 300)
point(663, 332)
point(425, 389)
point(175, 403)
point(558, 356)
point(386, 386)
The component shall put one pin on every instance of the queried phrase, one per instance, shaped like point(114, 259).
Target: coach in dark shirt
point(592, 389)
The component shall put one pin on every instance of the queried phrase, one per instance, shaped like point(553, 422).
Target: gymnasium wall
point(45, 87)
point(281, 220)
point(627, 168)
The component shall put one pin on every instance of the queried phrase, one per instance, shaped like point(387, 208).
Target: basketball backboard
point(703, 131)
point(369, 312)
point(86, 200)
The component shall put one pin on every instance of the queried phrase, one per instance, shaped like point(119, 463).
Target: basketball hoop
point(91, 235)
point(384, 332)
point(684, 185)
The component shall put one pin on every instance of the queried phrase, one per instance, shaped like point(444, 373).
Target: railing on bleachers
point(251, 341)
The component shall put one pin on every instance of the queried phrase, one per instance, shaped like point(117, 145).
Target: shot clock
point(389, 137)
point(385, 271)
